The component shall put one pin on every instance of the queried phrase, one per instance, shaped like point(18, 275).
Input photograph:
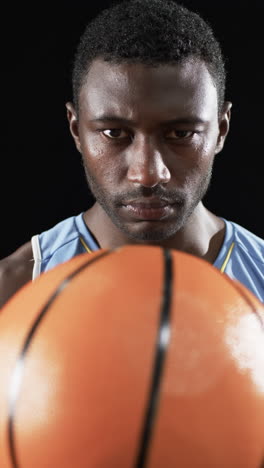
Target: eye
point(114, 133)
point(180, 134)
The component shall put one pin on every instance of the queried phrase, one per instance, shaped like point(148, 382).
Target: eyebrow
point(184, 120)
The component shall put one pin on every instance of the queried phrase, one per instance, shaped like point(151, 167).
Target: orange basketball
point(129, 358)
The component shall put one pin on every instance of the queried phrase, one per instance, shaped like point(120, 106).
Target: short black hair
point(151, 32)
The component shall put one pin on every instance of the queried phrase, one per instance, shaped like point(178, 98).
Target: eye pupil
point(181, 133)
point(114, 132)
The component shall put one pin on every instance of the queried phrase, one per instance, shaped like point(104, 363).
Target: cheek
point(192, 161)
point(204, 152)
point(90, 147)
point(100, 162)
point(206, 158)
point(195, 165)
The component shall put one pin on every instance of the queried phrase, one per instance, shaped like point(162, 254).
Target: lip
point(151, 209)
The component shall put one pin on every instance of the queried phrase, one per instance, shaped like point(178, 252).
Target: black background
point(42, 179)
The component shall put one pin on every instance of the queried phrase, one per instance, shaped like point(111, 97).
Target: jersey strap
point(85, 245)
point(223, 267)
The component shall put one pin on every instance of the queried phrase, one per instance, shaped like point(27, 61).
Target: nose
point(146, 165)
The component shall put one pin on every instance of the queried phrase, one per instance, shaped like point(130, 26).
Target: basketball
point(128, 358)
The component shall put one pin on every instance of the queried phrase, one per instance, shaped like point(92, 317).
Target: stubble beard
point(156, 233)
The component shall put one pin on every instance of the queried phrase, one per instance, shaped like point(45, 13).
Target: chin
point(152, 233)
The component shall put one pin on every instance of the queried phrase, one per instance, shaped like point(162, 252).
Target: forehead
point(137, 90)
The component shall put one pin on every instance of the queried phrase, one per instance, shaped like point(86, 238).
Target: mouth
point(151, 209)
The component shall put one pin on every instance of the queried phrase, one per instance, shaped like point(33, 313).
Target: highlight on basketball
point(134, 357)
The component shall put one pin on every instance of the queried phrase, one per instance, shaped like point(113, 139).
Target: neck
point(202, 235)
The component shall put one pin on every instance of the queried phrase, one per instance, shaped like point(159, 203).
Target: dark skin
point(148, 138)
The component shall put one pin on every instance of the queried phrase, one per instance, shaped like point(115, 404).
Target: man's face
point(148, 137)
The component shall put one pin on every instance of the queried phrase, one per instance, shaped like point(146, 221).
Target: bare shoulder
point(15, 271)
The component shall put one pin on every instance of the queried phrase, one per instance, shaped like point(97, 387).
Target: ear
point(224, 123)
point(73, 124)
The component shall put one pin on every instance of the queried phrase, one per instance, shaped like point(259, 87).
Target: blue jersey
point(241, 256)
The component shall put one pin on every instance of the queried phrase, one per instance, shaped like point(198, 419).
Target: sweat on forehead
point(135, 90)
